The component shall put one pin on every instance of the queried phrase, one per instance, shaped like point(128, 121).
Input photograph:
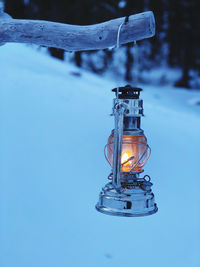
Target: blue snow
point(55, 122)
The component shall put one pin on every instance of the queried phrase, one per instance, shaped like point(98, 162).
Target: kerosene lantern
point(127, 150)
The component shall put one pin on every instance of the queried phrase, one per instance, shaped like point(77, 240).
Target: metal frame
point(127, 194)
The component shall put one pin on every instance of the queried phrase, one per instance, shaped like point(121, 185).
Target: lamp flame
point(126, 157)
point(135, 152)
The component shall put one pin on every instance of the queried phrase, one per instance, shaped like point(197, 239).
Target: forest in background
point(176, 44)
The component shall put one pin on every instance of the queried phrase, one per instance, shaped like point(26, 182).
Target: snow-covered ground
point(54, 123)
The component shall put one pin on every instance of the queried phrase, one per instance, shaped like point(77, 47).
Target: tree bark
point(77, 38)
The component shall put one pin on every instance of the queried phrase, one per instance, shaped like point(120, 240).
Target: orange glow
point(134, 152)
point(125, 157)
point(126, 160)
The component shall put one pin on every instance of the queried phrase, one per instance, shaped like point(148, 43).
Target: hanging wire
point(117, 45)
point(118, 34)
point(119, 30)
point(135, 53)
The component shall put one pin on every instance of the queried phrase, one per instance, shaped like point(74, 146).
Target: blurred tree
point(159, 10)
point(183, 37)
point(129, 62)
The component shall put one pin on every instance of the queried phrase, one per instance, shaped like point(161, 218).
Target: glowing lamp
point(135, 152)
point(127, 150)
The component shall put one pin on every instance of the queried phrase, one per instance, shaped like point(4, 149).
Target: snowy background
point(55, 122)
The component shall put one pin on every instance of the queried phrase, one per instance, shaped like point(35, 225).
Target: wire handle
point(117, 44)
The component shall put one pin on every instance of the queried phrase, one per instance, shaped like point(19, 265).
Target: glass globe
point(135, 152)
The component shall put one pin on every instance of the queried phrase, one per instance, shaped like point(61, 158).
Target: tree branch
point(76, 38)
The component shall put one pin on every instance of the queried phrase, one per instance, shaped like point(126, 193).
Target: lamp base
point(130, 202)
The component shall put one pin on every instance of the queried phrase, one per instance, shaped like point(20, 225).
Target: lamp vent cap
point(128, 92)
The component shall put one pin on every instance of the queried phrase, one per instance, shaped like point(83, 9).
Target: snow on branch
point(76, 38)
